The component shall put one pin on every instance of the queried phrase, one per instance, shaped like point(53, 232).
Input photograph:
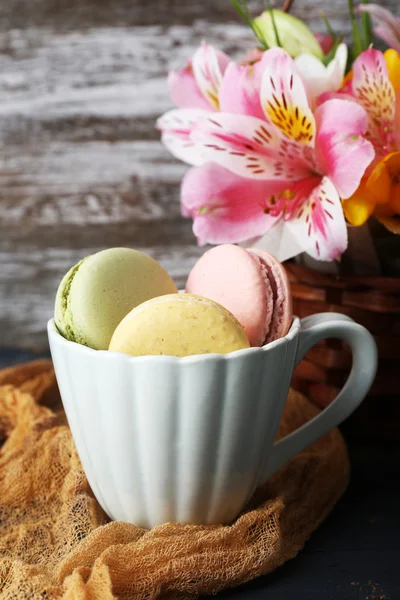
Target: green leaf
point(238, 7)
point(243, 10)
point(331, 54)
point(357, 44)
point(278, 41)
point(328, 26)
point(366, 28)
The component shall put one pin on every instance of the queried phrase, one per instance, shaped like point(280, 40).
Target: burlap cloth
point(55, 541)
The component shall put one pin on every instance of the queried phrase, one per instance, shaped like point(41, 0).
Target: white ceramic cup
point(190, 439)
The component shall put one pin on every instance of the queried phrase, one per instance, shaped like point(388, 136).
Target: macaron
point(178, 325)
point(282, 314)
point(97, 293)
point(251, 284)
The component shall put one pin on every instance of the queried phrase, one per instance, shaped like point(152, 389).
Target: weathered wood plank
point(31, 276)
point(81, 165)
point(64, 15)
point(88, 183)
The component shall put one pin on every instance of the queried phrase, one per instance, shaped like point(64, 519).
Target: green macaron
point(99, 291)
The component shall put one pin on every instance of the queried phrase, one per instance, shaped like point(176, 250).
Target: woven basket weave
point(371, 301)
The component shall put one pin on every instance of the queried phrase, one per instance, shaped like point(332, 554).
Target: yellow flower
point(379, 191)
point(347, 78)
point(360, 206)
point(392, 59)
point(378, 194)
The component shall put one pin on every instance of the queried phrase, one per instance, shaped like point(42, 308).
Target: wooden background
point(81, 166)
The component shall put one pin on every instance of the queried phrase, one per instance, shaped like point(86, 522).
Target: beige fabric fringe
point(56, 542)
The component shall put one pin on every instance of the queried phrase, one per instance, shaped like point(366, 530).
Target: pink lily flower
point(213, 197)
point(252, 56)
point(305, 162)
point(320, 79)
point(372, 88)
point(195, 90)
point(388, 28)
point(326, 42)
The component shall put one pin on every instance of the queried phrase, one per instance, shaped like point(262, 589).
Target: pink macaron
point(251, 284)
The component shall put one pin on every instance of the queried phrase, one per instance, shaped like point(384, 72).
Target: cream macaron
point(179, 325)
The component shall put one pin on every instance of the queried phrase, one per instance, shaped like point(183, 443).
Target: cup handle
point(365, 360)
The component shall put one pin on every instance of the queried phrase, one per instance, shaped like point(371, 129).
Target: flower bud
point(294, 36)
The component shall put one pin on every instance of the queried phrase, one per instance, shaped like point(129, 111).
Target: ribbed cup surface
point(164, 439)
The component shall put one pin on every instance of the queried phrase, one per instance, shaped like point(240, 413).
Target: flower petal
point(320, 79)
point(250, 147)
point(342, 152)
point(391, 223)
point(387, 35)
point(184, 91)
point(280, 241)
point(382, 14)
point(373, 90)
point(240, 90)
point(389, 25)
point(383, 184)
point(360, 206)
point(176, 126)
point(379, 183)
point(284, 98)
point(319, 223)
point(252, 56)
point(225, 208)
point(392, 59)
point(337, 68)
point(209, 66)
point(314, 74)
point(326, 41)
point(344, 94)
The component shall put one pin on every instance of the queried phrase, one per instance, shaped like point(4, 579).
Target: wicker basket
point(373, 302)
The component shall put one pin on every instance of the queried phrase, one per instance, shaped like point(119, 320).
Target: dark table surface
point(355, 554)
